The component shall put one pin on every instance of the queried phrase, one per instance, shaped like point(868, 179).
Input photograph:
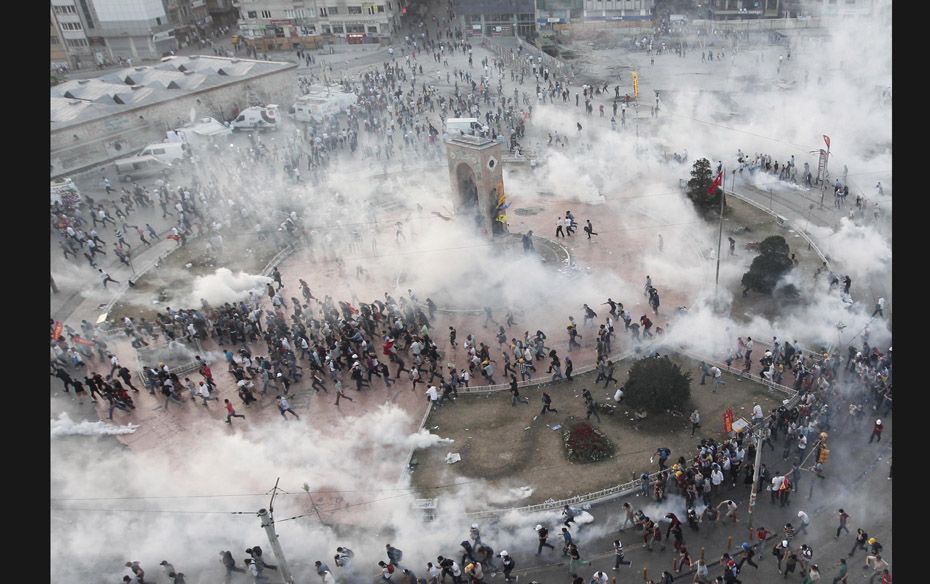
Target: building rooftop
point(83, 100)
point(476, 7)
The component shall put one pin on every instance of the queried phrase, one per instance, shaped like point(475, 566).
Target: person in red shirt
point(207, 374)
point(231, 412)
point(762, 534)
point(876, 431)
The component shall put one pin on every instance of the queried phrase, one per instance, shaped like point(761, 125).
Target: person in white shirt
point(716, 478)
point(204, 392)
point(757, 413)
point(776, 486)
point(433, 395)
point(599, 577)
point(434, 573)
point(718, 375)
point(731, 509)
point(805, 521)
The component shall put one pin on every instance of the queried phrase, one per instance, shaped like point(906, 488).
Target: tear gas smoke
point(225, 286)
point(65, 426)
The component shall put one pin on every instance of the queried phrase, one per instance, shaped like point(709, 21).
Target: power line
point(164, 511)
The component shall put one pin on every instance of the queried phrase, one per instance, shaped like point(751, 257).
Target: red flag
point(716, 184)
point(826, 140)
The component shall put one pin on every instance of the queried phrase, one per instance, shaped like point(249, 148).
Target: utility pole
point(759, 433)
point(720, 234)
point(826, 161)
point(268, 524)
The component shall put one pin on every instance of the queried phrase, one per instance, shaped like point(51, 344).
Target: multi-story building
point(841, 8)
point(356, 21)
point(595, 10)
point(549, 12)
point(58, 54)
point(133, 29)
point(72, 33)
point(496, 17)
point(744, 9)
point(222, 12)
point(190, 18)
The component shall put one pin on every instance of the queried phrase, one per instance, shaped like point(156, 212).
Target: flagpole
point(720, 235)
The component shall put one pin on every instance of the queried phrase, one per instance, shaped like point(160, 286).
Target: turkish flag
point(716, 184)
point(826, 140)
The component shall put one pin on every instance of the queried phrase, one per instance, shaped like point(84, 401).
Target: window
point(337, 29)
point(54, 39)
point(371, 9)
point(299, 13)
point(356, 28)
point(326, 29)
point(373, 29)
point(158, 20)
point(323, 12)
point(251, 14)
point(380, 8)
point(266, 14)
point(65, 10)
point(355, 9)
point(76, 42)
point(333, 10)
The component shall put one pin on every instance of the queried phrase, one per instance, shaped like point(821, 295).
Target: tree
point(769, 266)
point(702, 177)
point(655, 384)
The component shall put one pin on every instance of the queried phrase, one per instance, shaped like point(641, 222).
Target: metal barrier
point(278, 258)
point(782, 221)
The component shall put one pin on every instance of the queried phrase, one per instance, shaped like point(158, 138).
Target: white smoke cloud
point(65, 426)
point(225, 286)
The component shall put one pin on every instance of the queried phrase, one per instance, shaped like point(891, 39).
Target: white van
point(166, 152)
point(136, 167)
point(260, 117)
point(322, 102)
point(457, 126)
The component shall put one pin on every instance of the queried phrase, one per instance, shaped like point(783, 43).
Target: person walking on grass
point(547, 405)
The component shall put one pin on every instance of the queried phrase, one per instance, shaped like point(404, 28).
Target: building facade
point(58, 54)
point(74, 48)
point(134, 29)
point(496, 17)
point(744, 9)
point(222, 12)
point(354, 21)
point(840, 8)
point(595, 10)
point(190, 19)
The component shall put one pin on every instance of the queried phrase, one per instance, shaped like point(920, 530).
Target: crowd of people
point(326, 342)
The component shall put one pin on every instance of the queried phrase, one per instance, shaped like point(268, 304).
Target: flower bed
point(584, 443)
